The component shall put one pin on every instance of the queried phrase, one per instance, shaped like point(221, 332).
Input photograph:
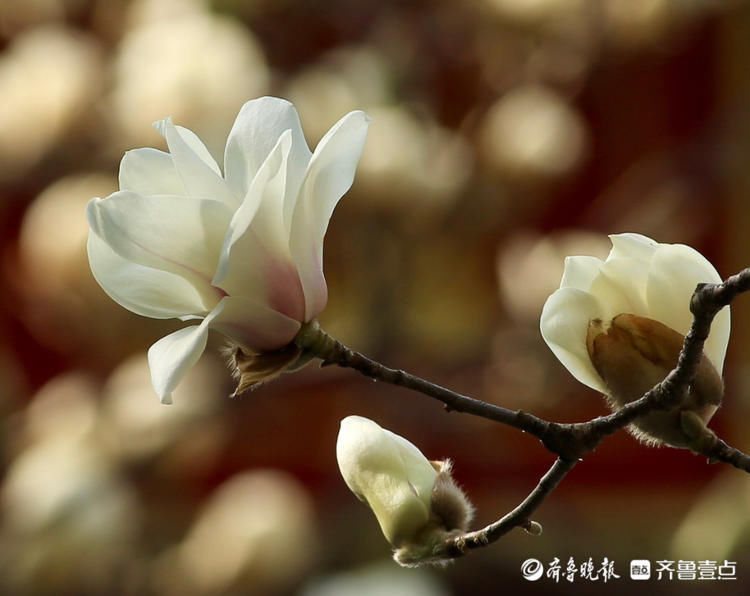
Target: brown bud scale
point(632, 354)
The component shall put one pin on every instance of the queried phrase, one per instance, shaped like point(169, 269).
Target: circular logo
point(532, 569)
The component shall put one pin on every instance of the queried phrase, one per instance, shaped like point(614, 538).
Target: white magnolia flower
point(618, 326)
point(241, 251)
point(415, 501)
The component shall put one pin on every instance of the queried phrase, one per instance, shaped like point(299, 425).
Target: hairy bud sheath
point(632, 354)
point(451, 513)
point(252, 369)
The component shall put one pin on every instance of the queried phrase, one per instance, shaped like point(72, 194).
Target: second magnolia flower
point(240, 251)
point(618, 326)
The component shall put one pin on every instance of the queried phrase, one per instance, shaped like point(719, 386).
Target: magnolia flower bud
point(632, 354)
point(240, 250)
point(618, 326)
point(416, 502)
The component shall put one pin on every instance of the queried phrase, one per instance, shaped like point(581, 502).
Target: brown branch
point(331, 351)
point(569, 441)
point(519, 517)
point(720, 451)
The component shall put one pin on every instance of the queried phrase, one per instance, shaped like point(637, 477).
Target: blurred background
point(506, 134)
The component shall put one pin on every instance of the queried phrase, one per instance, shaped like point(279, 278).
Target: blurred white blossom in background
point(255, 534)
point(49, 80)
point(179, 59)
point(64, 499)
point(532, 133)
point(379, 580)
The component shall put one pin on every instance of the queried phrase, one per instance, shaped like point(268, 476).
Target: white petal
point(675, 272)
point(253, 324)
point(329, 175)
point(173, 356)
point(170, 358)
point(149, 172)
point(255, 259)
point(254, 134)
point(191, 139)
point(373, 467)
point(142, 290)
point(632, 246)
point(564, 325)
point(421, 477)
point(718, 340)
point(628, 279)
point(580, 272)
point(270, 184)
point(174, 234)
point(619, 283)
point(196, 168)
point(267, 188)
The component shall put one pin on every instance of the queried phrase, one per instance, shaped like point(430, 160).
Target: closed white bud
point(416, 502)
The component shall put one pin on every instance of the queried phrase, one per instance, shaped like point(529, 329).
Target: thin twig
point(519, 517)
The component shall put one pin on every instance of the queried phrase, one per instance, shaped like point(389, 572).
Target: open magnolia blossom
point(242, 251)
point(618, 326)
point(416, 502)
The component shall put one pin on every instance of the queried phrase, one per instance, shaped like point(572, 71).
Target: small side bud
point(632, 354)
point(417, 502)
point(533, 528)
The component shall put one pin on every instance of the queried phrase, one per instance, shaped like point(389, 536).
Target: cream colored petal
point(612, 293)
point(255, 259)
point(329, 175)
point(238, 265)
point(580, 272)
point(421, 477)
point(149, 172)
point(628, 278)
point(675, 272)
point(144, 290)
point(564, 325)
point(632, 246)
point(254, 324)
point(194, 165)
point(256, 130)
point(373, 466)
point(718, 340)
point(175, 234)
point(192, 140)
point(171, 357)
